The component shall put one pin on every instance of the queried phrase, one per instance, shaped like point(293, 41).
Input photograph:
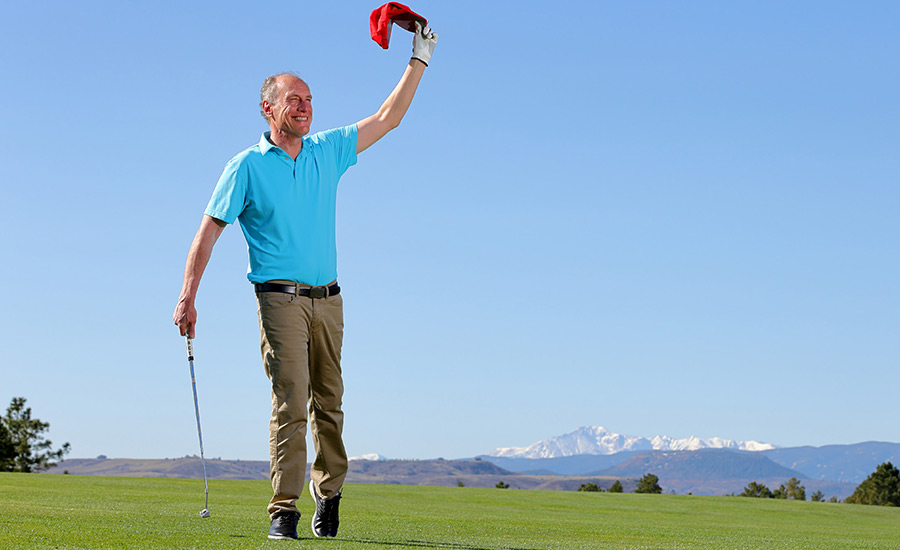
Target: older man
point(283, 191)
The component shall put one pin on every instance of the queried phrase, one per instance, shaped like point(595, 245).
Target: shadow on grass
point(429, 544)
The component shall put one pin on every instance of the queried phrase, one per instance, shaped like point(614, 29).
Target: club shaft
point(190, 348)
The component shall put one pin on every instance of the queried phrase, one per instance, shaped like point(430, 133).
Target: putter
point(190, 352)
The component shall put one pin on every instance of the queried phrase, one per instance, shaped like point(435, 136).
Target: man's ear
point(267, 108)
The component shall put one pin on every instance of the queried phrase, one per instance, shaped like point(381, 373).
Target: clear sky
point(672, 218)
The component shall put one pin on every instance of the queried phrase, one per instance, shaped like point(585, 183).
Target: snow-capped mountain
point(370, 456)
point(596, 440)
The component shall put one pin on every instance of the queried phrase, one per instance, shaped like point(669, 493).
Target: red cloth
point(392, 12)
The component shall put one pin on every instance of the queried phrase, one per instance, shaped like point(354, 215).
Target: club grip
point(190, 348)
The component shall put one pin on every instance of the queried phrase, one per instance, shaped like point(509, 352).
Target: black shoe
point(284, 526)
point(325, 520)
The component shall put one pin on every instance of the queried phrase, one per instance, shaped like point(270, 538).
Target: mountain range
point(713, 466)
point(701, 466)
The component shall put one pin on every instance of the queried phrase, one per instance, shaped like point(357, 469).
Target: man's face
point(292, 112)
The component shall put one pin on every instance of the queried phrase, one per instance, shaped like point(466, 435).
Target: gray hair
point(270, 89)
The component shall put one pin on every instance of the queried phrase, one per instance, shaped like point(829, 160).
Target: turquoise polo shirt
point(286, 208)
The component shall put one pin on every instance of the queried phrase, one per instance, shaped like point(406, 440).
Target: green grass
point(86, 512)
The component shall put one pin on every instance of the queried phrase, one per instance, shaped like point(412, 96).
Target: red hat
point(392, 12)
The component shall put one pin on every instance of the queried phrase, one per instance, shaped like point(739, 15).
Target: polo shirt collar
point(265, 145)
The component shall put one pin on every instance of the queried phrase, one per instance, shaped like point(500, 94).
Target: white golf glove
point(423, 43)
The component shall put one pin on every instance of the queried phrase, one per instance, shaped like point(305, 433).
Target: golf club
point(190, 351)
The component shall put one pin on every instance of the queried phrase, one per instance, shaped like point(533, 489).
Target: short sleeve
point(348, 149)
point(340, 145)
point(229, 197)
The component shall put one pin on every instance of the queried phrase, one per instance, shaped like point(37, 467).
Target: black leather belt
point(297, 290)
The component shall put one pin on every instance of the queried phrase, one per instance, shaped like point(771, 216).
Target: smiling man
point(282, 191)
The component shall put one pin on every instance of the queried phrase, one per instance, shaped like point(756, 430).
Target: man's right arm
point(185, 315)
point(392, 111)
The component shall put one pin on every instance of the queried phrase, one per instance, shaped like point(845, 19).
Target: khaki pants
point(300, 339)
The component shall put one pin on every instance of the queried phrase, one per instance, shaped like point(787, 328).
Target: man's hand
point(424, 41)
point(185, 317)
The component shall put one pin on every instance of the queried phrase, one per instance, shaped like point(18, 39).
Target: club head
point(204, 513)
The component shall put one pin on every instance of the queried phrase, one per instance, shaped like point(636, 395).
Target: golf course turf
point(87, 512)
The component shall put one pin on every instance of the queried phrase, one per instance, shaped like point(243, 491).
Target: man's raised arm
point(388, 117)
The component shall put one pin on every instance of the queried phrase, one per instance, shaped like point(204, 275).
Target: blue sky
point(659, 217)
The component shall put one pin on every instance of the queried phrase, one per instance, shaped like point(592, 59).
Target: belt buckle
point(318, 292)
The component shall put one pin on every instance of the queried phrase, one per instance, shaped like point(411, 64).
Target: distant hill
point(418, 468)
point(564, 465)
point(471, 473)
point(843, 463)
point(704, 464)
point(186, 467)
point(707, 471)
point(446, 473)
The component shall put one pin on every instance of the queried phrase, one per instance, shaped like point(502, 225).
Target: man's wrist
point(422, 61)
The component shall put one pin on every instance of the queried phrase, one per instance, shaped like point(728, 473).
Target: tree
point(7, 449)
point(818, 496)
point(795, 490)
point(30, 451)
point(648, 484)
point(881, 488)
point(791, 490)
point(756, 490)
point(590, 487)
point(616, 487)
point(502, 485)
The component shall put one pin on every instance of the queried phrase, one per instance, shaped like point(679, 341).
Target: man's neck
point(287, 143)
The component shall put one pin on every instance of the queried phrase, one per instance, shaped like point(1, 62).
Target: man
point(282, 191)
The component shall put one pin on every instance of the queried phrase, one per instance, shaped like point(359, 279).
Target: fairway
point(86, 512)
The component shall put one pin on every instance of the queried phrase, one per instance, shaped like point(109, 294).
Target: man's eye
point(294, 101)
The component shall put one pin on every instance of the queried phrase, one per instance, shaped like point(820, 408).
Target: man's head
point(286, 104)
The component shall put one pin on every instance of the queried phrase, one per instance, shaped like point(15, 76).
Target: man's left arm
point(388, 117)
